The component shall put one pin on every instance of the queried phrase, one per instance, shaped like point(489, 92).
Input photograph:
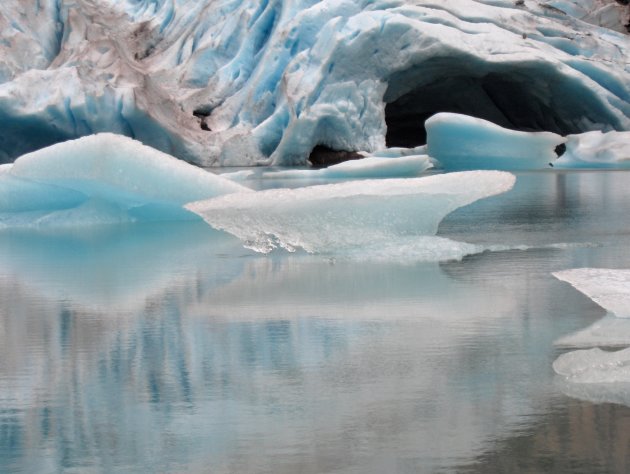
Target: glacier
point(100, 179)
point(350, 215)
point(242, 82)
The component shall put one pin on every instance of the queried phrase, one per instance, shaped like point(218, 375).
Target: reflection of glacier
point(293, 350)
point(188, 363)
point(115, 269)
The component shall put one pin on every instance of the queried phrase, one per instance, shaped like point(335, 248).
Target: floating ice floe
point(611, 290)
point(462, 142)
point(102, 178)
point(372, 167)
point(263, 83)
point(596, 150)
point(608, 288)
point(594, 366)
point(349, 215)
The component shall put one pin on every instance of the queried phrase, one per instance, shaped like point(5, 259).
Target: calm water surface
point(169, 348)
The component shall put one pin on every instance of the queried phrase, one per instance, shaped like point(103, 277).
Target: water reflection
point(171, 349)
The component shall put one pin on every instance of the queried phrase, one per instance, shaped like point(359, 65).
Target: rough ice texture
point(348, 215)
point(463, 142)
point(242, 82)
point(596, 150)
point(608, 288)
point(607, 13)
point(102, 178)
point(594, 366)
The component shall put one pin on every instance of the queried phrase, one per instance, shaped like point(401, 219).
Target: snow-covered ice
point(101, 179)
point(609, 288)
point(243, 82)
point(596, 150)
point(348, 215)
point(463, 142)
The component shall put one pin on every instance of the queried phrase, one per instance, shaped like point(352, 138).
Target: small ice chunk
point(347, 215)
point(371, 167)
point(102, 178)
point(594, 366)
point(395, 152)
point(596, 150)
point(461, 142)
point(607, 287)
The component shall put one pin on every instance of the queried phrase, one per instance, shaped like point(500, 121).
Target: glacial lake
point(169, 348)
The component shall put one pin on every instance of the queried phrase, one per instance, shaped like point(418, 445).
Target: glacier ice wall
point(242, 82)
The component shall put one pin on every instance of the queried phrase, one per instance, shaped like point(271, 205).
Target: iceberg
point(594, 366)
point(596, 150)
point(103, 178)
point(349, 215)
point(246, 83)
point(609, 288)
point(461, 142)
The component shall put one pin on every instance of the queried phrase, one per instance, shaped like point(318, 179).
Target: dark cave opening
point(518, 99)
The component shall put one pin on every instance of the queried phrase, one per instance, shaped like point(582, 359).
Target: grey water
point(169, 348)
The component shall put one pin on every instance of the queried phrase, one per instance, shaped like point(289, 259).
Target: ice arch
point(529, 97)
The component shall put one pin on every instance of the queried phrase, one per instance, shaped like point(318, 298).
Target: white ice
point(349, 215)
point(594, 366)
point(462, 142)
point(596, 150)
point(102, 178)
point(371, 167)
point(609, 288)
